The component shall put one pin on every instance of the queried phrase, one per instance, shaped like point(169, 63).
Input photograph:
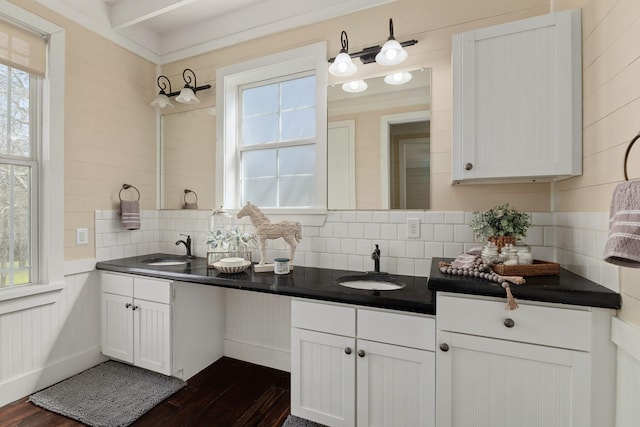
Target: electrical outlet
point(413, 228)
point(82, 236)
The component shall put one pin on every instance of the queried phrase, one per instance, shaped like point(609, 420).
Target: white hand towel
point(130, 212)
point(623, 244)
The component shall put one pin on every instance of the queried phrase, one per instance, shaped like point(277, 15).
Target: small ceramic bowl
point(232, 262)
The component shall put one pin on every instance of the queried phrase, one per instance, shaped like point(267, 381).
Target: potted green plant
point(501, 224)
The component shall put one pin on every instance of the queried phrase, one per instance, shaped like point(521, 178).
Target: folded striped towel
point(623, 244)
point(130, 212)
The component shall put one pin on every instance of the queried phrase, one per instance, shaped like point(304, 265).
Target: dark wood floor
point(227, 393)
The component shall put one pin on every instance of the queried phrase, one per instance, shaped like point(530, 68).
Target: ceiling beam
point(127, 13)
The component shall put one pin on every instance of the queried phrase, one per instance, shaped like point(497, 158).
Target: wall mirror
point(384, 125)
point(188, 158)
point(379, 144)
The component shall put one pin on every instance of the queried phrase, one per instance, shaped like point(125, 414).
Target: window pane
point(259, 163)
point(297, 191)
point(260, 192)
point(299, 124)
point(15, 220)
point(299, 93)
point(260, 100)
point(297, 160)
point(260, 129)
point(4, 107)
point(19, 140)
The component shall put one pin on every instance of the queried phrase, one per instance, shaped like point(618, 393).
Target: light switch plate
point(413, 228)
point(82, 236)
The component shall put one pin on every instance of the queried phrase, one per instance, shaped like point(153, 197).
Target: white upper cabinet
point(517, 101)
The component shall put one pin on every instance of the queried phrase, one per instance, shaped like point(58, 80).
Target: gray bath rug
point(111, 394)
point(293, 421)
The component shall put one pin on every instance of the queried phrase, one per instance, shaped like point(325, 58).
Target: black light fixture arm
point(368, 54)
point(187, 80)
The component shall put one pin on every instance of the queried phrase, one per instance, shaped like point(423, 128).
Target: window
point(272, 132)
point(18, 173)
point(278, 143)
point(33, 53)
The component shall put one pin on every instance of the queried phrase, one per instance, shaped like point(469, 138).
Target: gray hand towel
point(623, 244)
point(130, 212)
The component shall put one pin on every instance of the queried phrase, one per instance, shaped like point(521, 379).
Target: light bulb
point(398, 77)
point(391, 54)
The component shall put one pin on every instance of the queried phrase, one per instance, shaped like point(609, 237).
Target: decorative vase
point(501, 241)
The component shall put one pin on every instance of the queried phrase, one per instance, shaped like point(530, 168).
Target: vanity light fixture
point(391, 53)
point(186, 96)
point(355, 86)
point(342, 65)
point(399, 78)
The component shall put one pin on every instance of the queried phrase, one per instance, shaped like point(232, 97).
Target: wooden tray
point(538, 268)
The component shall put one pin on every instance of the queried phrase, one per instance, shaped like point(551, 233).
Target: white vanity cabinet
point(361, 366)
point(169, 327)
point(517, 101)
point(540, 365)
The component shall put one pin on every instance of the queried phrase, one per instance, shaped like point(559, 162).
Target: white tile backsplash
point(347, 238)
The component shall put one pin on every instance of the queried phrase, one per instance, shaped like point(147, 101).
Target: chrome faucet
point(187, 244)
point(375, 256)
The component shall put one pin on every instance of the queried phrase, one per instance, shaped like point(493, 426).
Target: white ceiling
point(169, 30)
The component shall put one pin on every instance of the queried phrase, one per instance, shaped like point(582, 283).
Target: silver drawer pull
point(509, 323)
point(361, 353)
point(444, 347)
point(347, 350)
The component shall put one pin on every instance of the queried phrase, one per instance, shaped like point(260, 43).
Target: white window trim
point(228, 79)
point(51, 174)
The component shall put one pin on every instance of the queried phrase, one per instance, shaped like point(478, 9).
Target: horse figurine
point(290, 231)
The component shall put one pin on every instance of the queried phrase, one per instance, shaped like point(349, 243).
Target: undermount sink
point(166, 261)
point(370, 282)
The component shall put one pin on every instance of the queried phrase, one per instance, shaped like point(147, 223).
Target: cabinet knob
point(135, 307)
point(509, 323)
point(347, 350)
point(468, 166)
point(127, 305)
point(444, 347)
point(361, 353)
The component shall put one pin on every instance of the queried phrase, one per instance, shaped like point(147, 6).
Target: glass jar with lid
point(510, 254)
point(524, 253)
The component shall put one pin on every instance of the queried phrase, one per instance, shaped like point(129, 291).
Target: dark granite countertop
point(566, 288)
point(305, 282)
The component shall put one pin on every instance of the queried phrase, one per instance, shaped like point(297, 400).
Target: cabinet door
point(517, 100)
point(396, 385)
point(117, 327)
point(323, 377)
point(485, 382)
point(152, 336)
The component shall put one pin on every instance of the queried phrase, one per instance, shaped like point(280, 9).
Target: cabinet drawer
point(117, 284)
point(557, 327)
point(333, 319)
point(397, 328)
point(152, 290)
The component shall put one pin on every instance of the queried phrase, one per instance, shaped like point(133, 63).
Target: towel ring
point(126, 187)
point(626, 155)
point(187, 191)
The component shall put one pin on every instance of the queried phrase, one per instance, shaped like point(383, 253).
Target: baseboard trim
point(264, 356)
point(38, 379)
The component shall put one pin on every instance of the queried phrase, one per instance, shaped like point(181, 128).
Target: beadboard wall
point(347, 238)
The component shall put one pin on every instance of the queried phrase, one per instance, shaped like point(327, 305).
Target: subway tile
point(427, 232)
point(348, 246)
point(325, 260)
point(462, 233)
point(434, 249)
point(405, 266)
point(333, 216)
point(333, 245)
point(339, 262)
point(364, 216)
point(542, 218)
point(454, 217)
point(443, 233)
point(326, 231)
point(388, 231)
point(535, 235)
point(395, 249)
point(423, 268)
point(398, 217)
point(434, 217)
point(349, 216)
point(340, 229)
point(415, 249)
point(364, 247)
point(355, 262)
point(356, 230)
point(452, 250)
point(380, 216)
point(372, 231)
